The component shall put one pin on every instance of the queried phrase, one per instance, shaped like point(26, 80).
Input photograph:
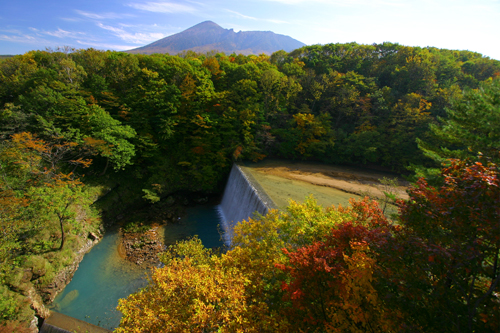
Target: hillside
point(208, 36)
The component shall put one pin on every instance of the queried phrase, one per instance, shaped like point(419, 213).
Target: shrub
point(134, 227)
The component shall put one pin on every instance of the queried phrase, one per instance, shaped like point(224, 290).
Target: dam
point(104, 277)
point(243, 196)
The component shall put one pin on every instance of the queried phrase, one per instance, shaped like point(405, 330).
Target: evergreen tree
point(471, 126)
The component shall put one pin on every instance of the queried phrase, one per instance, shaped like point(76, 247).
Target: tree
point(33, 181)
point(470, 126)
point(331, 286)
point(113, 138)
point(308, 131)
point(303, 269)
point(239, 290)
point(57, 199)
point(441, 269)
point(195, 291)
point(12, 208)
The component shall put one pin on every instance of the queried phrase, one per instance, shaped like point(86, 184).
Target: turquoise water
point(104, 277)
point(202, 221)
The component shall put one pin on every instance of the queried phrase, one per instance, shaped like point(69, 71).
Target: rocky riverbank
point(141, 248)
point(25, 282)
point(140, 240)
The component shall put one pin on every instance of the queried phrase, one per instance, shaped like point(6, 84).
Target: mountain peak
point(208, 36)
point(206, 24)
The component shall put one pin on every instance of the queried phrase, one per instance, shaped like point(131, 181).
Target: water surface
point(104, 277)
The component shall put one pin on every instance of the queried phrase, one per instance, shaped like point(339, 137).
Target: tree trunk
point(106, 167)
point(62, 231)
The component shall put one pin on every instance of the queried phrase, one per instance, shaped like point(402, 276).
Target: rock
point(142, 248)
point(28, 275)
point(34, 324)
point(93, 236)
point(37, 303)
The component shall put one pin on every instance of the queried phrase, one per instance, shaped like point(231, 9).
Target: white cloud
point(18, 38)
point(104, 16)
point(276, 21)
point(110, 28)
point(330, 2)
point(482, 4)
point(163, 7)
point(11, 31)
point(71, 19)
point(201, 4)
point(37, 37)
point(135, 38)
point(151, 28)
point(60, 33)
point(241, 15)
point(348, 3)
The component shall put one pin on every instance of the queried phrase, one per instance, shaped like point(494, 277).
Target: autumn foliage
point(330, 286)
point(196, 291)
point(450, 247)
point(342, 269)
point(159, 124)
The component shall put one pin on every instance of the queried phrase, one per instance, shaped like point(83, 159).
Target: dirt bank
point(348, 179)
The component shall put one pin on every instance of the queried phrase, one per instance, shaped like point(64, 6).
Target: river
point(104, 276)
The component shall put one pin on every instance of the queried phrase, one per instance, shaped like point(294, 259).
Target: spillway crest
point(242, 197)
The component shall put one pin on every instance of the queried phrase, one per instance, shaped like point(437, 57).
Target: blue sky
point(121, 25)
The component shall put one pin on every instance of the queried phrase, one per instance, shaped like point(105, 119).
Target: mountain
point(208, 36)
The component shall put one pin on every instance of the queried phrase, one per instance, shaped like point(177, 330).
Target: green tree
point(470, 126)
point(58, 198)
point(114, 137)
point(42, 189)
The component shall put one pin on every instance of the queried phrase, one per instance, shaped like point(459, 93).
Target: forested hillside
point(74, 121)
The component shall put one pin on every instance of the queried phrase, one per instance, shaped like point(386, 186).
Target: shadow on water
point(202, 221)
point(104, 276)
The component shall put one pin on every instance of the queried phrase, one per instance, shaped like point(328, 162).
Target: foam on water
point(242, 198)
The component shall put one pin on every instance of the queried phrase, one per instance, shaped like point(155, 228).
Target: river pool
point(104, 276)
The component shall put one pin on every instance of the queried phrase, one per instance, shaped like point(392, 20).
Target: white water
point(242, 198)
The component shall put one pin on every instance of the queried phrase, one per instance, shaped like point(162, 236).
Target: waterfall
point(242, 197)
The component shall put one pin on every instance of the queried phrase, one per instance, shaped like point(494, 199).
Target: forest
point(75, 125)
